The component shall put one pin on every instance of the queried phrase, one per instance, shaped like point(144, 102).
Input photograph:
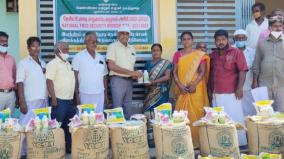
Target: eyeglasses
point(35, 48)
point(5, 45)
point(92, 42)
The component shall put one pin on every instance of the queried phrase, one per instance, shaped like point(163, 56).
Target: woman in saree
point(191, 71)
point(159, 75)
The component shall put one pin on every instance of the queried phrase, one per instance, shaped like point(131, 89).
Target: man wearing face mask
point(227, 76)
point(264, 34)
point(7, 75)
point(268, 66)
point(257, 25)
point(61, 87)
point(240, 39)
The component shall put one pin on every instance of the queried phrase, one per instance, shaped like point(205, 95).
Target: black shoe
point(24, 157)
point(68, 150)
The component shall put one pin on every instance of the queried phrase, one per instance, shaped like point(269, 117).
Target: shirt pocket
point(279, 52)
point(101, 67)
point(132, 57)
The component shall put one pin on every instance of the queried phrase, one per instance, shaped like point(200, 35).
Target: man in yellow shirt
point(121, 59)
point(61, 86)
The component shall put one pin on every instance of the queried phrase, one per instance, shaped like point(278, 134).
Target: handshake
point(136, 74)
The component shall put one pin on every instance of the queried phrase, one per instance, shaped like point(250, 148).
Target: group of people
point(224, 77)
point(34, 84)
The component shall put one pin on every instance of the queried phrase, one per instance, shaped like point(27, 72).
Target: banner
point(74, 18)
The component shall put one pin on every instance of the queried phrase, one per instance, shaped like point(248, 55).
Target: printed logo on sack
point(276, 140)
point(225, 139)
point(94, 138)
point(136, 135)
point(43, 139)
point(6, 151)
point(179, 146)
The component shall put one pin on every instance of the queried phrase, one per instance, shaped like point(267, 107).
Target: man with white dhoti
point(90, 73)
point(227, 77)
point(31, 84)
point(240, 39)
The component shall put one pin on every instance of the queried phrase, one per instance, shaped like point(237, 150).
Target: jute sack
point(173, 142)
point(46, 144)
point(129, 141)
point(11, 145)
point(219, 140)
point(265, 136)
point(90, 142)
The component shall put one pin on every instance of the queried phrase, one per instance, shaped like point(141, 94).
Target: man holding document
point(268, 66)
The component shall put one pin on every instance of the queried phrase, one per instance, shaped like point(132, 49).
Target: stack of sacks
point(45, 138)
point(128, 138)
point(265, 130)
point(11, 136)
point(218, 134)
point(90, 135)
point(171, 133)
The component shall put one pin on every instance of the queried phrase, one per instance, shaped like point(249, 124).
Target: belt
point(127, 78)
point(7, 90)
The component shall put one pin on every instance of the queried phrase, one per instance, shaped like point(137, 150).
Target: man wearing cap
point(240, 39)
point(7, 75)
point(90, 73)
point(227, 76)
point(268, 66)
point(121, 59)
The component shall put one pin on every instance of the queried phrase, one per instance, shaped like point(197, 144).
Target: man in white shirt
point(257, 25)
point(240, 39)
point(31, 83)
point(90, 73)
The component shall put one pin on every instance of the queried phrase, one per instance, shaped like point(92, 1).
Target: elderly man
point(121, 60)
point(227, 77)
point(31, 83)
point(7, 75)
point(61, 87)
point(201, 46)
point(257, 25)
point(90, 73)
point(268, 66)
point(240, 39)
point(264, 34)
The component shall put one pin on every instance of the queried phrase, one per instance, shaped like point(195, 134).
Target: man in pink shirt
point(227, 76)
point(7, 75)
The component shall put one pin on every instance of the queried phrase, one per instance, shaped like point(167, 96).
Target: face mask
point(276, 34)
point(240, 44)
point(64, 56)
point(3, 49)
point(256, 15)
